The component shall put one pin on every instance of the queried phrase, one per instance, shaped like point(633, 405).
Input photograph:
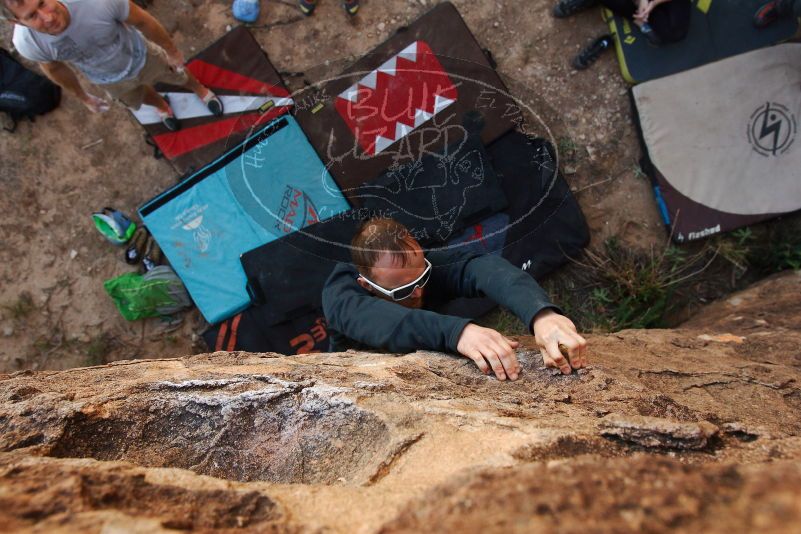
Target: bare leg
point(205, 94)
point(195, 86)
point(152, 98)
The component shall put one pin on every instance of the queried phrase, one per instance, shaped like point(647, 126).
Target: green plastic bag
point(156, 293)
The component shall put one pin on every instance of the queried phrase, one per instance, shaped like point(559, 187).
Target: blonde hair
point(378, 236)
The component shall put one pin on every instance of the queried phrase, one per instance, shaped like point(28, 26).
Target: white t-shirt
point(97, 41)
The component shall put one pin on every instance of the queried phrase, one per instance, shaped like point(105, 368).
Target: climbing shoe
point(566, 8)
point(168, 119)
point(351, 7)
point(307, 6)
point(592, 52)
point(214, 104)
point(114, 225)
point(767, 14)
point(171, 123)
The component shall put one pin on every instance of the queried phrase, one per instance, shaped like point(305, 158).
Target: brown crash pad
point(405, 99)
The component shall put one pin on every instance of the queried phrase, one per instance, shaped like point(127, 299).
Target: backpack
point(23, 93)
point(158, 292)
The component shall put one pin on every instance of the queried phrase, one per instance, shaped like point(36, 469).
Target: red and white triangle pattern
point(242, 110)
point(399, 96)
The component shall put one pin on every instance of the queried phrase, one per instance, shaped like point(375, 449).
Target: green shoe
point(114, 225)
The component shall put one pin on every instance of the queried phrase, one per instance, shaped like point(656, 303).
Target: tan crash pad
point(724, 136)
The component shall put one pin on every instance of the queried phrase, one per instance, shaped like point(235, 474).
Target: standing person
point(385, 300)
point(115, 44)
point(351, 7)
point(660, 21)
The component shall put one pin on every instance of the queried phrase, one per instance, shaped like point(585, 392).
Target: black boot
point(592, 52)
point(565, 8)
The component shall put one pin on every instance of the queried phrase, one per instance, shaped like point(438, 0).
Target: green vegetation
point(44, 344)
point(639, 173)
point(504, 321)
point(618, 288)
point(614, 287)
point(568, 149)
point(98, 348)
point(20, 308)
point(773, 248)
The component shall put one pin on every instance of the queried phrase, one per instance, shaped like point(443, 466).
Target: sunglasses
point(404, 291)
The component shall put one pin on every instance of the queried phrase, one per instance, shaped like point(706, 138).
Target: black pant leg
point(792, 8)
point(621, 8)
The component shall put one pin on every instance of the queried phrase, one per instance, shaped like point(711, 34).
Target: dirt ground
point(55, 172)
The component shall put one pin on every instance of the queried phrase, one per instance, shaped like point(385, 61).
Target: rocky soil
point(691, 430)
point(54, 313)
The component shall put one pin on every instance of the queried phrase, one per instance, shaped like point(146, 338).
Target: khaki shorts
point(156, 69)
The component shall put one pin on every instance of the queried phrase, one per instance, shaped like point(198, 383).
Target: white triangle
point(402, 130)
point(410, 52)
point(189, 106)
point(283, 102)
point(369, 80)
point(351, 93)
point(440, 103)
point(389, 66)
point(421, 116)
point(381, 143)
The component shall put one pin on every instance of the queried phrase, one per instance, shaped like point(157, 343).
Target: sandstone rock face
point(695, 429)
point(657, 432)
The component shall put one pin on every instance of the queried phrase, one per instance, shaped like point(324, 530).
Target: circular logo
point(771, 129)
